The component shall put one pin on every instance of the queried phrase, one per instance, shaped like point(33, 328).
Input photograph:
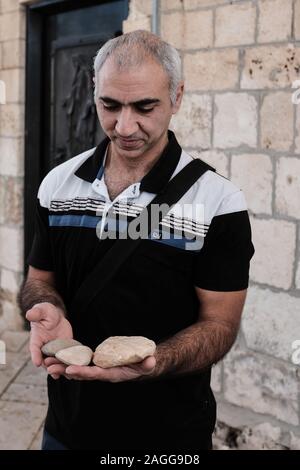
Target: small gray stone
point(75, 356)
point(52, 347)
point(123, 350)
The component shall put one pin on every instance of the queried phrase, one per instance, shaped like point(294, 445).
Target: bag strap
point(105, 270)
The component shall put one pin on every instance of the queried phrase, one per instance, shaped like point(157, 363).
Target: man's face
point(134, 107)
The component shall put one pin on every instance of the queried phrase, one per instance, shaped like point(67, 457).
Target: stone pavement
point(23, 395)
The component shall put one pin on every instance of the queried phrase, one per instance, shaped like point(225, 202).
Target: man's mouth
point(128, 143)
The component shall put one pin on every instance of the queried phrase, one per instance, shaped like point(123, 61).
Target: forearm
point(34, 291)
point(193, 349)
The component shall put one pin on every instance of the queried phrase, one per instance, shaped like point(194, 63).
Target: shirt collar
point(154, 181)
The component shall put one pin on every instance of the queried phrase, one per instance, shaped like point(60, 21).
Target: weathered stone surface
point(14, 363)
point(220, 435)
point(297, 280)
point(288, 187)
point(237, 417)
point(172, 29)
point(275, 243)
point(297, 136)
point(12, 25)
point(123, 350)
point(262, 436)
point(297, 19)
point(14, 80)
point(192, 124)
point(13, 53)
point(273, 25)
point(216, 378)
point(167, 5)
point(26, 351)
point(214, 158)
point(12, 120)
point(15, 340)
point(271, 67)
point(11, 248)
point(235, 24)
point(12, 199)
point(75, 355)
point(32, 374)
point(211, 70)
point(9, 5)
point(10, 318)
point(294, 440)
point(2, 352)
point(37, 441)
point(26, 393)
point(142, 7)
point(137, 19)
point(191, 4)
point(10, 280)
point(254, 382)
point(11, 156)
point(258, 188)
point(277, 121)
point(51, 348)
point(20, 421)
point(235, 121)
point(2, 196)
point(198, 32)
point(192, 30)
point(271, 322)
point(298, 276)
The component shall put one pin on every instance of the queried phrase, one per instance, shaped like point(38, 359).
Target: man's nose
point(126, 124)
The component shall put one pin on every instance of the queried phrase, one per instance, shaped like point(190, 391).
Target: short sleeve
point(223, 263)
point(40, 255)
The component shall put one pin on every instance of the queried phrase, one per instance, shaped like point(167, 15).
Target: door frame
point(34, 102)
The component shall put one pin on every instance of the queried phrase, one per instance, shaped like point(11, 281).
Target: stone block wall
point(12, 74)
point(240, 60)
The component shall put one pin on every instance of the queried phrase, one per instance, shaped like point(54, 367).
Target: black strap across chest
point(109, 265)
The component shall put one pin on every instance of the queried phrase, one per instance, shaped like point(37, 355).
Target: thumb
point(148, 364)
point(35, 314)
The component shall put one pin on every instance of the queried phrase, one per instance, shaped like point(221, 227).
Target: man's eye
point(145, 110)
point(111, 107)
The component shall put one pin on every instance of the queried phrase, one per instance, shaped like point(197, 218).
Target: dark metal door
point(61, 120)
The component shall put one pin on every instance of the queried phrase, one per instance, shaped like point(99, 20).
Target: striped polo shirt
point(203, 241)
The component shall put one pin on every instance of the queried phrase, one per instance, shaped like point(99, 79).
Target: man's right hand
point(47, 322)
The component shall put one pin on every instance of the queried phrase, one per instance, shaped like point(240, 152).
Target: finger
point(75, 377)
point(36, 354)
point(48, 361)
point(56, 369)
point(55, 376)
point(85, 372)
point(111, 374)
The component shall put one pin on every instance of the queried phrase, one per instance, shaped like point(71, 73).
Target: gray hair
point(131, 49)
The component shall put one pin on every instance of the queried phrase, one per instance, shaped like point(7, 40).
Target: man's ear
point(179, 95)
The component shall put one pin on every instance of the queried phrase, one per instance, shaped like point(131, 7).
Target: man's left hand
point(112, 374)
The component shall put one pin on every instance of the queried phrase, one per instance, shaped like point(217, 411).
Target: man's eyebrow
point(143, 102)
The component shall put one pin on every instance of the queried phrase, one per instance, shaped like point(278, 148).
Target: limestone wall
point(12, 74)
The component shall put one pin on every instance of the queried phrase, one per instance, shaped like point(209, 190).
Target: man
point(186, 297)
